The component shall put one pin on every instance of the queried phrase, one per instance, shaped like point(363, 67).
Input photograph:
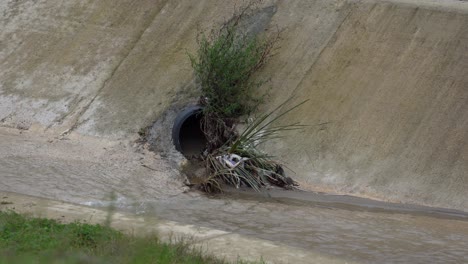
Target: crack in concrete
point(61, 119)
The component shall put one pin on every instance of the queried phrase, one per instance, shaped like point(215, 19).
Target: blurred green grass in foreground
point(37, 240)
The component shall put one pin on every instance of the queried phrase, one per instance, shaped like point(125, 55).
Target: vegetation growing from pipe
point(224, 65)
point(36, 240)
point(225, 62)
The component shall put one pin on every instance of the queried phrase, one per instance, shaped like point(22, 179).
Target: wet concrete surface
point(305, 198)
point(222, 244)
point(352, 233)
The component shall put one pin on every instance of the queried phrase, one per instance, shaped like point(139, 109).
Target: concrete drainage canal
point(294, 218)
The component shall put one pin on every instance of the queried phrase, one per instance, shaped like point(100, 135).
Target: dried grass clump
point(240, 162)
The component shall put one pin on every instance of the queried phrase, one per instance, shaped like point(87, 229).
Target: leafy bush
point(224, 64)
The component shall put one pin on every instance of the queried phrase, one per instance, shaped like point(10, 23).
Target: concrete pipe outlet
point(187, 134)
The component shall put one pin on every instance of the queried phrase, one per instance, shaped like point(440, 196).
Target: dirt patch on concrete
point(79, 169)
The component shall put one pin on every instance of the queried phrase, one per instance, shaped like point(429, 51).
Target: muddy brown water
point(370, 232)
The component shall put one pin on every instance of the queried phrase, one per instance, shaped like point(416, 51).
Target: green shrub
point(224, 65)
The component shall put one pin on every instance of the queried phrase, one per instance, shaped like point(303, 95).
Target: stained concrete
point(387, 82)
point(388, 108)
point(80, 169)
point(55, 56)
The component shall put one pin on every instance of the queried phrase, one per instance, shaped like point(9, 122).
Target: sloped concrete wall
point(387, 82)
point(389, 101)
point(55, 56)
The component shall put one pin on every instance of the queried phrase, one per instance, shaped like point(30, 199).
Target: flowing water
point(369, 234)
point(347, 227)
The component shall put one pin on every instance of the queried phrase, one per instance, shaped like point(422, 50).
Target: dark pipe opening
point(187, 134)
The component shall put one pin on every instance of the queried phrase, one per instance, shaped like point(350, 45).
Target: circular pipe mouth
point(187, 134)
